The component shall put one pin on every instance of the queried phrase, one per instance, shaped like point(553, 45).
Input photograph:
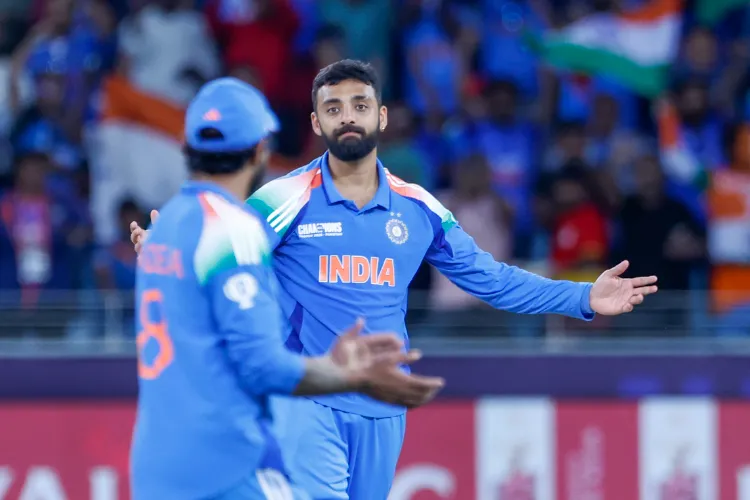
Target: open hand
point(373, 364)
point(138, 235)
point(612, 294)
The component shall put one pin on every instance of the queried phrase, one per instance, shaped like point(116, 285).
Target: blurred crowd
point(561, 172)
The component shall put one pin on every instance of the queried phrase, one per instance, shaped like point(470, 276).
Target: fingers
point(636, 299)
point(381, 343)
point(154, 216)
point(646, 290)
point(399, 358)
point(417, 390)
point(618, 269)
point(355, 329)
point(643, 281)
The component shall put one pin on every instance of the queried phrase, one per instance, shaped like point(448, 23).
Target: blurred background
point(565, 135)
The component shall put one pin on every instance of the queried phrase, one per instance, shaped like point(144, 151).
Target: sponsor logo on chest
point(319, 229)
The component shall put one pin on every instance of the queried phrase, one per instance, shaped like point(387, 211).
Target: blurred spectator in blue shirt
point(43, 127)
point(503, 52)
point(38, 234)
point(509, 144)
point(435, 68)
point(115, 265)
point(702, 132)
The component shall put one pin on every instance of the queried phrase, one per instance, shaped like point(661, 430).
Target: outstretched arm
point(455, 254)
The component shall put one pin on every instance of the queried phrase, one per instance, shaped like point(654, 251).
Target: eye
point(361, 107)
point(332, 111)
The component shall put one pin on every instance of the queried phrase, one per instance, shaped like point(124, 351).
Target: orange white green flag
point(635, 47)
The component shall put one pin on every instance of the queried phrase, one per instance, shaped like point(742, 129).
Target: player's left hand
point(612, 294)
point(353, 350)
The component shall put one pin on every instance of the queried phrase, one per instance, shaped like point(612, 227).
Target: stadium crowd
point(561, 172)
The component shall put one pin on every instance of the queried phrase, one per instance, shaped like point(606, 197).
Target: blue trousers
point(335, 455)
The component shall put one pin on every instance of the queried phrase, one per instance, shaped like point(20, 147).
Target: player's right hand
point(372, 363)
point(138, 235)
point(386, 382)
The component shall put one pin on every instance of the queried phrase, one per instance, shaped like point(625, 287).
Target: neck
point(236, 184)
point(360, 174)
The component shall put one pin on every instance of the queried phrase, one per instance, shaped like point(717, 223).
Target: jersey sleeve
point(283, 200)
point(232, 262)
point(455, 254)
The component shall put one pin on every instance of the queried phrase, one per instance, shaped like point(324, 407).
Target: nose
point(347, 115)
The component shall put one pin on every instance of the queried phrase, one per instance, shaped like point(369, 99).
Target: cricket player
point(350, 237)
point(210, 345)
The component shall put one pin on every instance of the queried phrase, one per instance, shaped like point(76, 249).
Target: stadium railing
point(103, 321)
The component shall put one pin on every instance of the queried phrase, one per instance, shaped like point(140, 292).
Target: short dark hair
point(217, 163)
point(346, 69)
point(128, 205)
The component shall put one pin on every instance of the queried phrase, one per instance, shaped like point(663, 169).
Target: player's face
point(349, 119)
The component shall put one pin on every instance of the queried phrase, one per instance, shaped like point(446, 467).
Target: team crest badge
point(397, 231)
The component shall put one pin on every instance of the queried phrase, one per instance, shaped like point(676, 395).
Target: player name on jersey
point(317, 229)
point(356, 269)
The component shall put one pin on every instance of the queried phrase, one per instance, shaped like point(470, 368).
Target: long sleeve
point(249, 319)
point(455, 254)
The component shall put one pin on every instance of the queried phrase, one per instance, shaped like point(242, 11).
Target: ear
point(315, 124)
point(383, 118)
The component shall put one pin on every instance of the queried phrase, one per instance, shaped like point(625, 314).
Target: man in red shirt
point(257, 34)
point(580, 236)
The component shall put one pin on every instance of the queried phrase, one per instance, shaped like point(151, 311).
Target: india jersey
point(335, 262)
point(210, 348)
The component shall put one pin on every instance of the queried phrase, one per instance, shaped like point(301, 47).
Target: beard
point(257, 181)
point(351, 148)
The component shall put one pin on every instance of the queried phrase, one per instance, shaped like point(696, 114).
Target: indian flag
point(635, 47)
point(710, 12)
point(680, 164)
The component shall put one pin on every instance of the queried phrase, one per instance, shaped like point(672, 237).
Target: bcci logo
point(397, 231)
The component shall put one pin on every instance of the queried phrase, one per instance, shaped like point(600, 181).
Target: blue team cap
point(272, 123)
point(237, 111)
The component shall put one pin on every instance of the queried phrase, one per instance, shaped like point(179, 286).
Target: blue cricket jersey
point(336, 262)
point(210, 347)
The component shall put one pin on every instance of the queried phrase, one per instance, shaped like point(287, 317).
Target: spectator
point(569, 145)
point(298, 137)
point(486, 218)
point(483, 215)
point(580, 238)
point(432, 140)
point(72, 46)
point(366, 26)
point(38, 237)
point(602, 128)
point(508, 143)
point(504, 54)
point(115, 265)
point(399, 152)
point(691, 139)
point(728, 236)
point(435, 69)
point(700, 57)
point(166, 50)
point(257, 34)
point(701, 128)
point(659, 235)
